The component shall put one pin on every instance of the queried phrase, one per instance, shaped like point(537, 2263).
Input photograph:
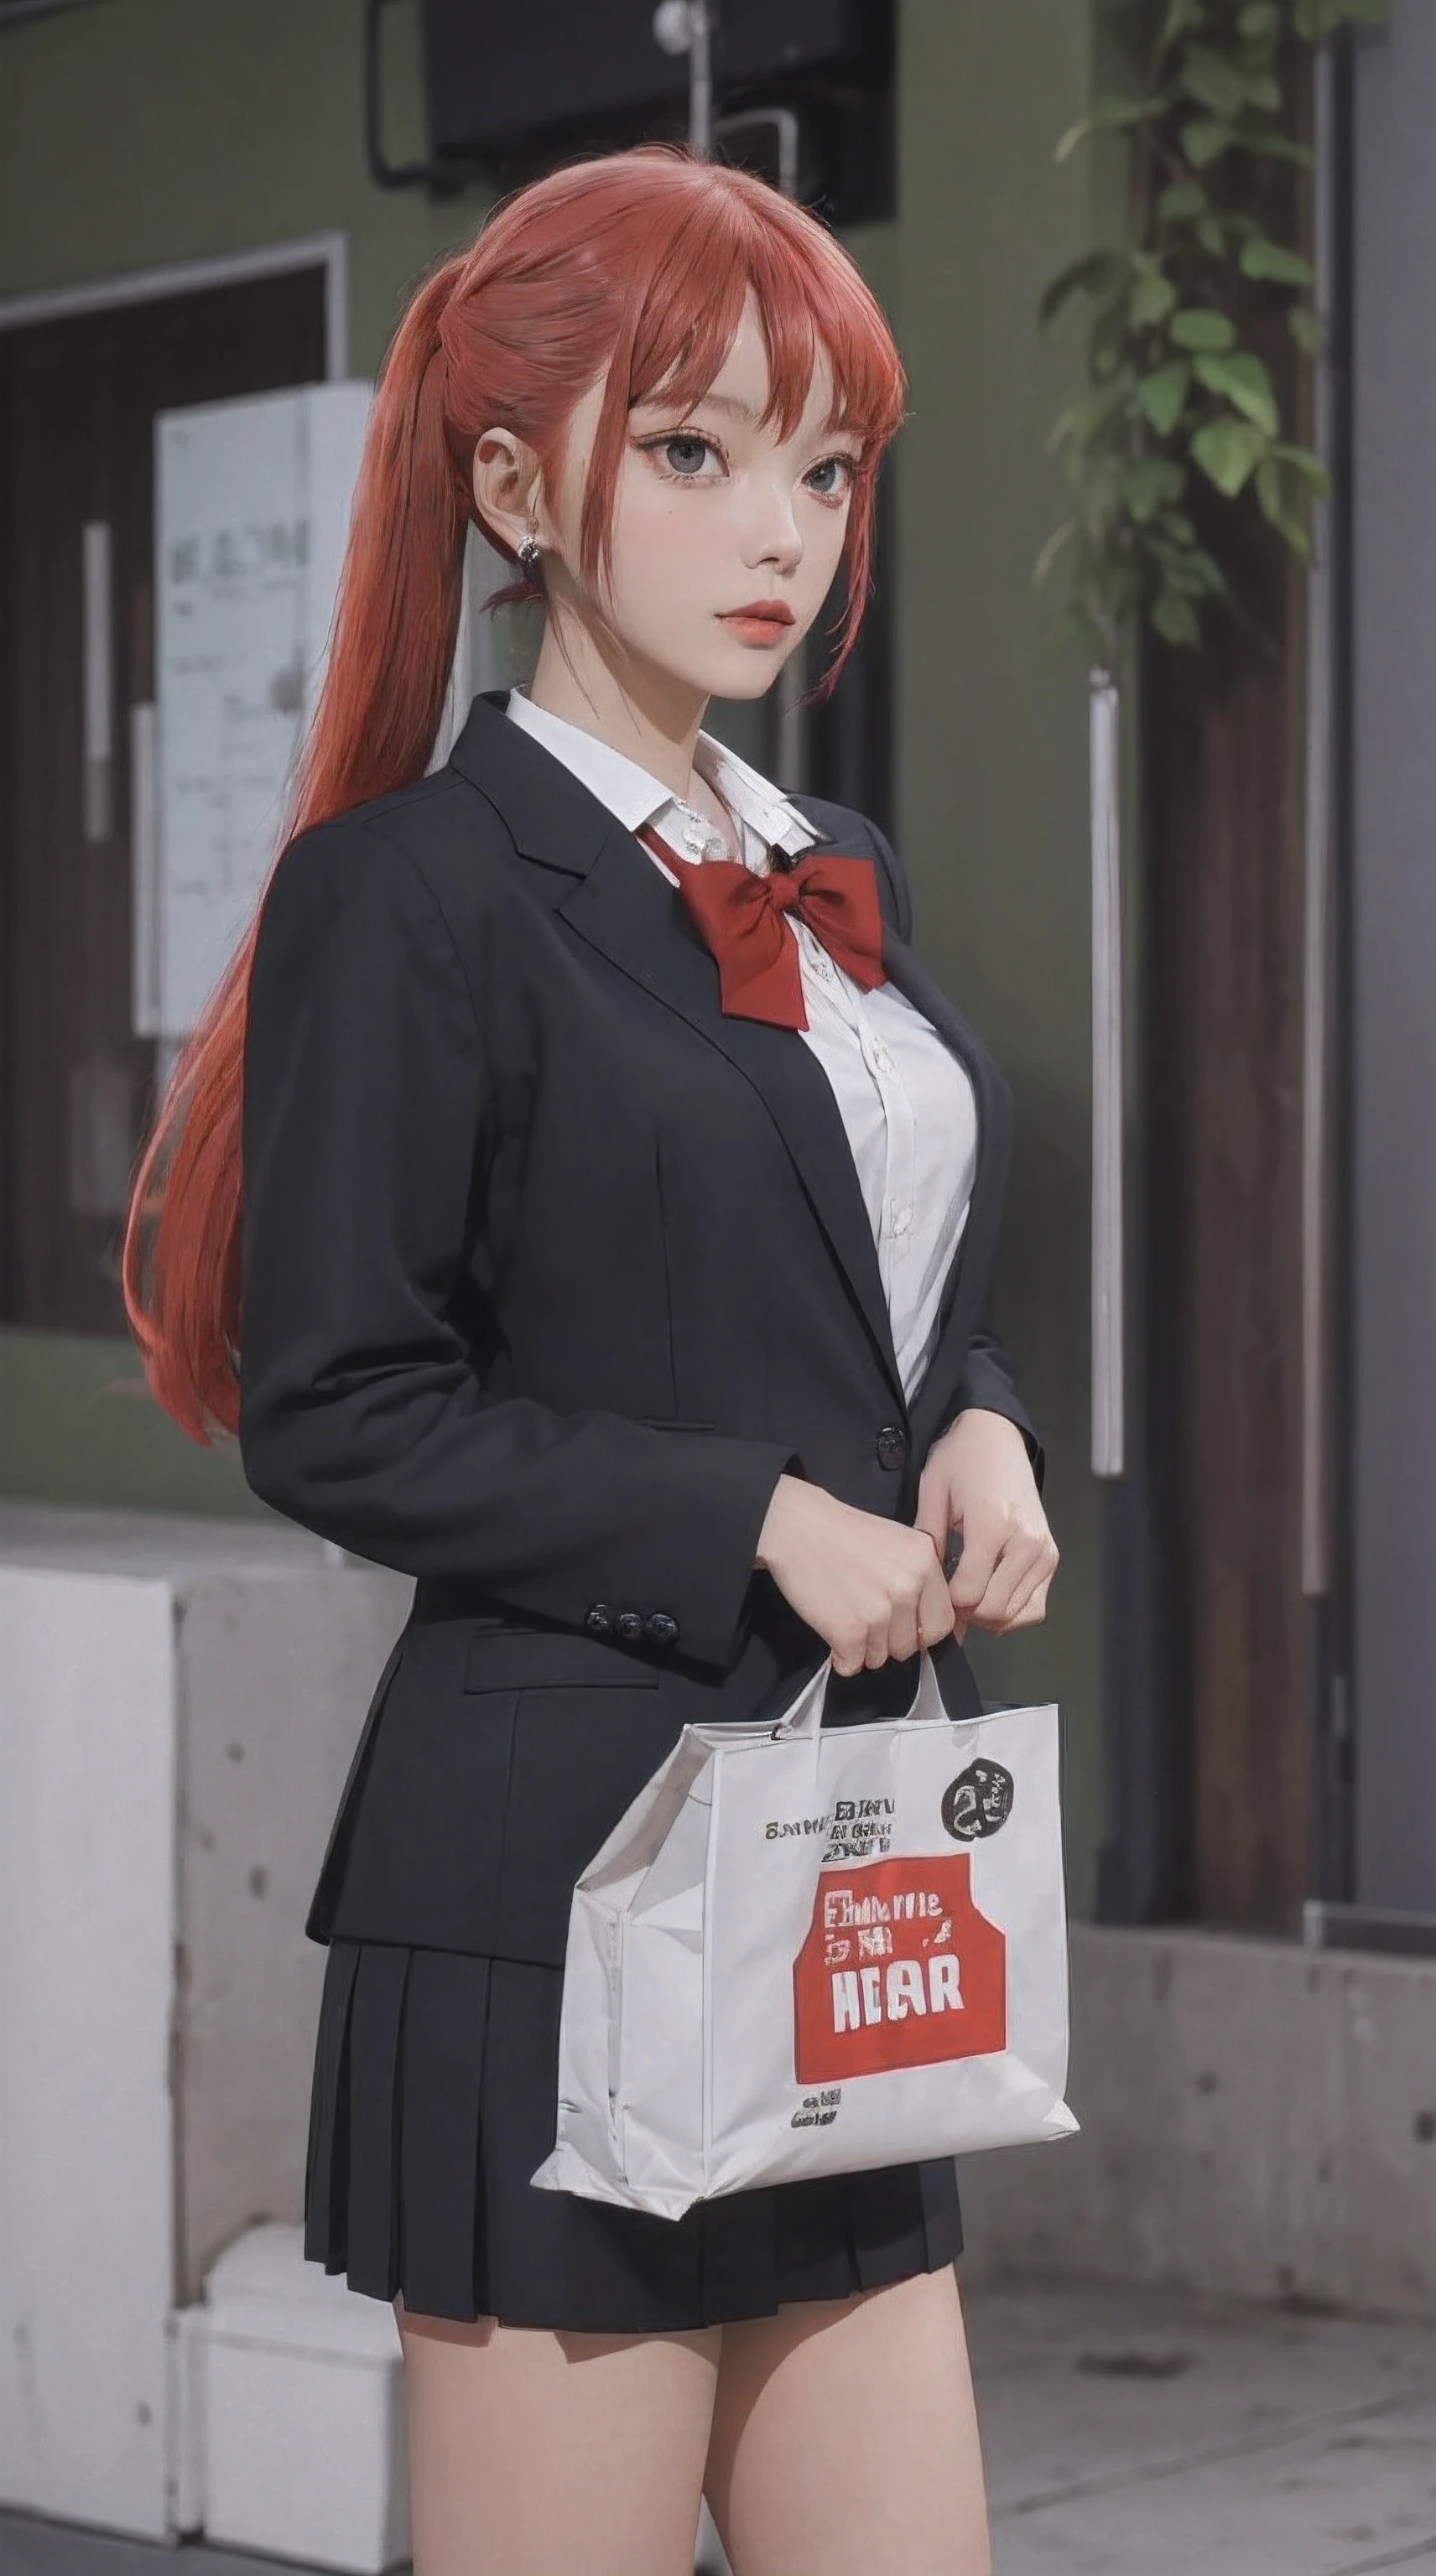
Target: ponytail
point(391, 649)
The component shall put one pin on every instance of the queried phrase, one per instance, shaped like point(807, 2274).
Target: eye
point(833, 477)
point(681, 455)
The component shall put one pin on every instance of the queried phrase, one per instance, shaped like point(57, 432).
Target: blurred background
point(211, 213)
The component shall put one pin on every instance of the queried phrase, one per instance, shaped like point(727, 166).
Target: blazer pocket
point(505, 1659)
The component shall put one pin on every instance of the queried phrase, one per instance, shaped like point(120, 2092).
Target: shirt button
point(891, 1445)
point(902, 1219)
point(883, 1060)
point(629, 1626)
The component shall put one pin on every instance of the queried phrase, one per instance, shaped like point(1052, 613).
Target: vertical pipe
point(1108, 1427)
point(1316, 1158)
point(145, 979)
point(700, 76)
point(97, 613)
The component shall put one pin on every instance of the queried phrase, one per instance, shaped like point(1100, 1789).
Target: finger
point(1033, 1609)
point(926, 1623)
point(1020, 1565)
point(934, 1513)
point(976, 1565)
point(878, 1647)
point(1020, 1609)
point(935, 1609)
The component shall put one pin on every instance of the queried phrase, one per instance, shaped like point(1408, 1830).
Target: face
point(726, 537)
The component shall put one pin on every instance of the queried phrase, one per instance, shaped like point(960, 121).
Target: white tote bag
point(808, 1951)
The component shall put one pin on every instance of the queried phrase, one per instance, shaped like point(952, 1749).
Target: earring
point(530, 554)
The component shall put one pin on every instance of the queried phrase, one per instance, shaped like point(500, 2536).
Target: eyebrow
point(730, 403)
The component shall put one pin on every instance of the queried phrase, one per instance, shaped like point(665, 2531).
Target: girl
point(579, 1197)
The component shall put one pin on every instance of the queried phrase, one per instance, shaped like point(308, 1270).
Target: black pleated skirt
point(435, 2085)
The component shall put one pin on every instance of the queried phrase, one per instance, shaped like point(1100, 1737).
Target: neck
point(592, 681)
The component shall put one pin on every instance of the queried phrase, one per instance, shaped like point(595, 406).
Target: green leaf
point(1259, 18)
point(1228, 451)
point(1261, 257)
point(1205, 140)
point(1184, 200)
point(1197, 326)
point(1160, 396)
point(1306, 329)
point(1175, 618)
point(1276, 146)
point(1147, 483)
point(1083, 421)
point(1182, 16)
point(1059, 538)
point(1107, 114)
point(1305, 463)
point(1265, 93)
point(1213, 81)
point(1211, 237)
point(1246, 385)
point(1151, 299)
point(1190, 570)
point(1178, 525)
point(1268, 488)
point(1097, 272)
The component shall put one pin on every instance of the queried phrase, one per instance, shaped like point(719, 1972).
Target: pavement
point(1133, 2434)
point(1127, 2433)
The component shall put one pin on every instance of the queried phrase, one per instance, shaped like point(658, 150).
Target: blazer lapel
point(614, 897)
point(626, 909)
point(618, 901)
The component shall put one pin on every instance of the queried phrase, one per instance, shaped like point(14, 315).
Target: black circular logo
point(978, 1803)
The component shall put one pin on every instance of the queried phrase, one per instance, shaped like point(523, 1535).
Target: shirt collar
point(635, 797)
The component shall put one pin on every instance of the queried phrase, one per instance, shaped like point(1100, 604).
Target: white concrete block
point(304, 2432)
point(179, 1702)
point(1257, 2120)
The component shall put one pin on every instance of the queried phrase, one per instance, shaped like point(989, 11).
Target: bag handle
point(805, 1717)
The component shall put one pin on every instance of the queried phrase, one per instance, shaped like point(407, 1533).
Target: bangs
point(684, 284)
point(808, 297)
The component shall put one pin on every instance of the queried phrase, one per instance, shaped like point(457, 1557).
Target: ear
point(506, 485)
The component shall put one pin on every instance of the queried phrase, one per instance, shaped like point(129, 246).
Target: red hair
point(636, 266)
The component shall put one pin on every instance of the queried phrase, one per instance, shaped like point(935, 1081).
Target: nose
point(773, 534)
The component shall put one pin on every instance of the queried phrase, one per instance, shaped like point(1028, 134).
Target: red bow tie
point(740, 915)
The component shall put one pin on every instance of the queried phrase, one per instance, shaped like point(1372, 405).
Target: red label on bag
point(898, 1969)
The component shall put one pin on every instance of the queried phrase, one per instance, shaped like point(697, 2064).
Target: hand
point(871, 1587)
point(978, 1479)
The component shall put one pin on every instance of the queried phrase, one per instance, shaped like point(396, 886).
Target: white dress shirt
point(905, 1099)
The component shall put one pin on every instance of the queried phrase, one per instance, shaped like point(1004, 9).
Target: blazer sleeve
point(362, 1414)
point(989, 1381)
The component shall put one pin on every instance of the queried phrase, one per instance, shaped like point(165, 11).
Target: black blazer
point(549, 1272)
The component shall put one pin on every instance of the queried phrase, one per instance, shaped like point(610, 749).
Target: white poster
point(252, 515)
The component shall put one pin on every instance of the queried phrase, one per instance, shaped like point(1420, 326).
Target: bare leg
point(845, 2438)
point(536, 2454)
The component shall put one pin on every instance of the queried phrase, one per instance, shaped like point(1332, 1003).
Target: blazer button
point(629, 1625)
point(660, 1629)
point(891, 1445)
point(598, 1618)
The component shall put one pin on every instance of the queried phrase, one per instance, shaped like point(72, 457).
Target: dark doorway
point(78, 398)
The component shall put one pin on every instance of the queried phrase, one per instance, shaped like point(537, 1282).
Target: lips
point(763, 621)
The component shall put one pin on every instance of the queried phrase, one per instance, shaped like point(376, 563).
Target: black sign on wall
point(511, 92)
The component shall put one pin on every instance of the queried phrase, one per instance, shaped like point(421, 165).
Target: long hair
point(635, 267)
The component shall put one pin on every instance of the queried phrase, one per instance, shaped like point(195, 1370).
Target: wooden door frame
point(328, 250)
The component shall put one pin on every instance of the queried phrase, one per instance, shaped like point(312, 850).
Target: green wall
point(991, 727)
point(141, 132)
